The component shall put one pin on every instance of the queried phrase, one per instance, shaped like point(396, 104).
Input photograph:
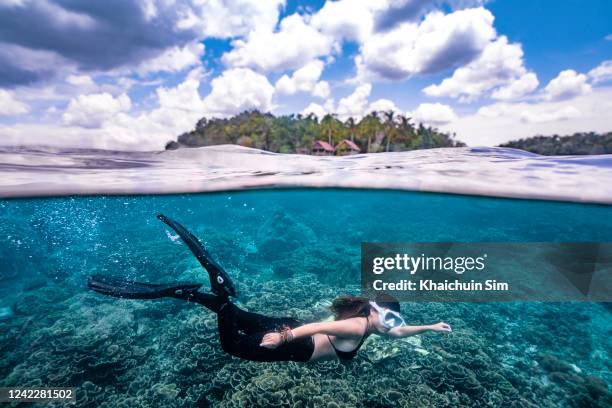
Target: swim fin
point(122, 288)
point(220, 282)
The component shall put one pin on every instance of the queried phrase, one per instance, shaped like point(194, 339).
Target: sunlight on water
point(498, 172)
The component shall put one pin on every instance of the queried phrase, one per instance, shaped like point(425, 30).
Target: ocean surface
point(290, 251)
point(500, 172)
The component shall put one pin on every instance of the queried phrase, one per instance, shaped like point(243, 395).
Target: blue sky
point(133, 74)
point(559, 34)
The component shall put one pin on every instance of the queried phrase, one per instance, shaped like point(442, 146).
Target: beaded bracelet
point(289, 335)
point(286, 334)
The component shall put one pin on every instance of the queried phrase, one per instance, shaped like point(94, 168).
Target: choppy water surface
point(482, 171)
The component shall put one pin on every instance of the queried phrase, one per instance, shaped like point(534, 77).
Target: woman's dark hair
point(388, 301)
point(345, 307)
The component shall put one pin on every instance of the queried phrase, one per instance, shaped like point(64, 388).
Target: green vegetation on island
point(576, 144)
point(375, 132)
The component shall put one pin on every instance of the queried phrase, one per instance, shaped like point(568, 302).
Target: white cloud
point(107, 122)
point(237, 90)
point(602, 73)
point(32, 63)
point(565, 113)
point(499, 66)
point(305, 79)
point(230, 18)
point(321, 89)
point(173, 59)
point(13, 3)
point(183, 98)
point(292, 46)
point(318, 110)
point(356, 20)
point(80, 80)
point(329, 104)
point(9, 105)
point(86, 38)
point(91, 111)
point(383, 105)
point(355, 104)
point(608, 37)
point(66, 18)
point(178, 108)
point(433, 114)
point(351, 20)
point(530, 112)
point(501, 122)
point(517, 88)
point(439, 42)
point(149, 9)
point(568, 84)
point(287, 85)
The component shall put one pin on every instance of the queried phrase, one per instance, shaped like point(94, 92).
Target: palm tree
point(407, 130)
point(350, 122)
point(265, 128)
point(201, 125)
point(332, 127)
point(370, 125)
point(327, 127)
point(389, 127)
point(424, 134)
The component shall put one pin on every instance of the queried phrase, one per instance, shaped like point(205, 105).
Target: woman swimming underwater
point(256, 337)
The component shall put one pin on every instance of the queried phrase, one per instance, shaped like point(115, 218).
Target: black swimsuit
point(348, 355)
point(241, 333)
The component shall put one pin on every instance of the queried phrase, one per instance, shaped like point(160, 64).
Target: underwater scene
point(290, 252)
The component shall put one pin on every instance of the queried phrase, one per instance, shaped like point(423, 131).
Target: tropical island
point(576, 144)
point(375, 132)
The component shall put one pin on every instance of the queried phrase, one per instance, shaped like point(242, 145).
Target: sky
point(134, 74)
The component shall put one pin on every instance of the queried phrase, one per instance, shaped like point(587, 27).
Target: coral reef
point(165, 353)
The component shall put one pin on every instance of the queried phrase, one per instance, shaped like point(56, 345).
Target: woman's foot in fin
point(221, 285)
point(220, 282)
point(123, 288)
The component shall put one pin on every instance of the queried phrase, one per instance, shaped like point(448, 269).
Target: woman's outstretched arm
point(343, 328)
point(407, 331)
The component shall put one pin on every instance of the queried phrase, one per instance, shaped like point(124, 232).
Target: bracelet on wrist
point(286, 335)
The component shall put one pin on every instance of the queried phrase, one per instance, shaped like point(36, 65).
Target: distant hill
point(576, 144)
point(376, 132)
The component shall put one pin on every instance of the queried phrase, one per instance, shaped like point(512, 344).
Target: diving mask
point(388, 318)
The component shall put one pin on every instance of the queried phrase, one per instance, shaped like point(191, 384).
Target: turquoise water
point(289, 252)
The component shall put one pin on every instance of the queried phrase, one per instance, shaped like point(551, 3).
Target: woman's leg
point(123, 288)
point(236, 326)
point(241, 332)
point(241, 320)
point(211, 302)
point(249, 322)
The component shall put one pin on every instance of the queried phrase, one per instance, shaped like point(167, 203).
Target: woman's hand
point(271, 340)
point(441, 327)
